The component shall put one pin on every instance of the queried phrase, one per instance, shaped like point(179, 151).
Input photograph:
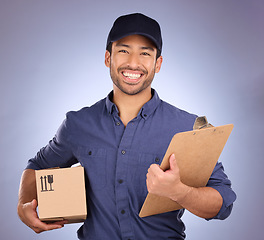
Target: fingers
point(162, 182)
point(155, 169)
point(153, 176)
point(41, 226)
point(31, 219)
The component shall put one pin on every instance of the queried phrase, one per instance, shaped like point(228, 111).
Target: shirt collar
point(110, 106)
point(148, 108)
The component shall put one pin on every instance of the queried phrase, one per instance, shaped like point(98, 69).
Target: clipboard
point(197, 153)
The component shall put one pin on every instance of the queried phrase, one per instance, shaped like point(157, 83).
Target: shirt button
point(117, 123)
point(123, 152)
point(123, 211)
point(120, 181)
point(156, 159)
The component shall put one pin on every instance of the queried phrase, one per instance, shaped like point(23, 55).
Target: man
point(122, 139)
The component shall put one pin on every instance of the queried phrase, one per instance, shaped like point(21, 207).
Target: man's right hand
point(28, 215)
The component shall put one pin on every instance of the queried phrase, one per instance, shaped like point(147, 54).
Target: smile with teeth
point(133, 76)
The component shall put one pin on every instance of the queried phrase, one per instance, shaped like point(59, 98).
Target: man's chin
point(132, 92)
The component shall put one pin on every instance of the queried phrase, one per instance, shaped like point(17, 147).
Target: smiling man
point(133, 64)
point(126, 135)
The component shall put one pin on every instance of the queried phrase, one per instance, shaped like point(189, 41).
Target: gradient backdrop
point(52, 61)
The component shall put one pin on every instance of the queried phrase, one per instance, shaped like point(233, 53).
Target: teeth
point(131, 75)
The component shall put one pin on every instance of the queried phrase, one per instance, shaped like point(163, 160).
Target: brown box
point(61, 194)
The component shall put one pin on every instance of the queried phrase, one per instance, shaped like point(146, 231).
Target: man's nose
point(133, 61)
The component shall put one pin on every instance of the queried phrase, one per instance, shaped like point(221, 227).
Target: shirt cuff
point(229, 197)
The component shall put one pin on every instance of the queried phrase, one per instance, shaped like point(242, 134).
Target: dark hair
point(109, 49)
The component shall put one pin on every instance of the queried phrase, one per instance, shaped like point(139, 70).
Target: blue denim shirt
point(116, 159)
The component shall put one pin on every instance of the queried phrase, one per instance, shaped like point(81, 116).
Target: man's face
point(133, 64)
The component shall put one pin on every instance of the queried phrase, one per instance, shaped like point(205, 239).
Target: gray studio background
point(52, 61)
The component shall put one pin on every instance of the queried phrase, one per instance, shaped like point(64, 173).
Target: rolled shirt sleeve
point(220, 182)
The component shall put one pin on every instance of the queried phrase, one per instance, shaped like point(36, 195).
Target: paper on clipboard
point(197, 153)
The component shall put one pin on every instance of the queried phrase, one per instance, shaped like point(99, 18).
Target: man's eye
point(123, 51)
point(145, 54)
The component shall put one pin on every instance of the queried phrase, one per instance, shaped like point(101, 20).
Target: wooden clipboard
point(197, 153)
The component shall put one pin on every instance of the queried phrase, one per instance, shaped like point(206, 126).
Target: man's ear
point(158, 64)
point(107, 58)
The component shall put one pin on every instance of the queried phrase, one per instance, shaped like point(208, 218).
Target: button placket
point(122, 201)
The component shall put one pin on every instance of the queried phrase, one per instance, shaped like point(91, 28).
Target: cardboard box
point(61, 194)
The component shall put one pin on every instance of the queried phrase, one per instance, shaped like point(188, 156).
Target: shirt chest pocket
point(94, 161)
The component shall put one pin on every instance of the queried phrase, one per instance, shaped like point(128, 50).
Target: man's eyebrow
point(122, 45)
point(128, 46)
point(148, 48)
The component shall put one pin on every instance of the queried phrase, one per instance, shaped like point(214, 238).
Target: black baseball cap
point(135, 23)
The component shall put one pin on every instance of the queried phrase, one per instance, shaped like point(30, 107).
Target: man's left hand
point(166, 183)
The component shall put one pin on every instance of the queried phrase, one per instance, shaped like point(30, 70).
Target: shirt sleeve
point(222, 184)
point(57, 153)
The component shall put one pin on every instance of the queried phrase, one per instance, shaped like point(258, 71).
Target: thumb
point(34, 204)
point(173, 162)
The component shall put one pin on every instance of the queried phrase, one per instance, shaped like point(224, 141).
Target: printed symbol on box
point(43, 181)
